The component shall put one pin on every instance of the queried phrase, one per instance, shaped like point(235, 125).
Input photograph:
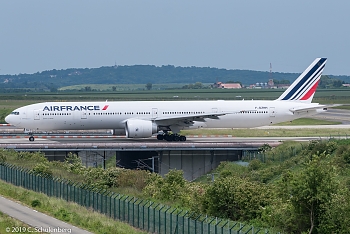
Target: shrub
point(42, 169)
point(36, 203)
point(63, 215)
point(33, 156)
point(73, 163)
point(236, 198)
point(173, 187)
point(255, 164)
point(343, 152)
point(3, 156)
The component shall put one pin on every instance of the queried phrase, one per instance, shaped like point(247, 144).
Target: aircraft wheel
point(176, 138)
point(160, 137)
point(168, 137)
point(182, 138)
point(31, 138)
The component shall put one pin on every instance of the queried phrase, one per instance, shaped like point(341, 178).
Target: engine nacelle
point(138, 128)
point(118, 132)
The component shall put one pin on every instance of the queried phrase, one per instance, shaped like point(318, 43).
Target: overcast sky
point(44, 35)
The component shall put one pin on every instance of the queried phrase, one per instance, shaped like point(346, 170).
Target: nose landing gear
point(31, 138)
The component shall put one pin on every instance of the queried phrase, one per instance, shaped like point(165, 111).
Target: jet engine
point(138, 128)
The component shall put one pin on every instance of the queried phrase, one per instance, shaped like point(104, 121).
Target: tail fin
point(304, 87)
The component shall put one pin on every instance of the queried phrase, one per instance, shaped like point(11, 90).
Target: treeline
point(53, 79)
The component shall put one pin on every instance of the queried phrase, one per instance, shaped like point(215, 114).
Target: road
point(38, 221)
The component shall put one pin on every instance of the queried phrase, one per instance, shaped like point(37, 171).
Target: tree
point(308, 191)
point(149, 86)
point(336, 215)
point(281, 81)
point(236, 198)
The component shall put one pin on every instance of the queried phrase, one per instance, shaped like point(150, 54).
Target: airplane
point(143, 119)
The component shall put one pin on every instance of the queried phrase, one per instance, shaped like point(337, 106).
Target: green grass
point(10, 225)
point(308, 121)
point(74, 214)
point(325, 96)
point(304, 132)
point(343, 107)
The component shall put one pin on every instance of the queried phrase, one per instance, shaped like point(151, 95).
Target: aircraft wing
point(181, 119)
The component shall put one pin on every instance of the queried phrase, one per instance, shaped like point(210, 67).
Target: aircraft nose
point(12, 119)
point(8, 119)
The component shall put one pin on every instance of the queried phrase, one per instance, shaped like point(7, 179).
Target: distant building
point(221, 85)
point(283, 86)
point(271, 83)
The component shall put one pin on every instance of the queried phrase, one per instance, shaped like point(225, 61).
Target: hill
point(138, 74)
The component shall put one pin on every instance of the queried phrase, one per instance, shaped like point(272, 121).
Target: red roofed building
point(228, 86)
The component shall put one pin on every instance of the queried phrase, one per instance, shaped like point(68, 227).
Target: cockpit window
point(15, 113)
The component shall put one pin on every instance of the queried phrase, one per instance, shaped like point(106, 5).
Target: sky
point(41, 35)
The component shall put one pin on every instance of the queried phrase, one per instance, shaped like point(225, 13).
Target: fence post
point(154, 218)
point(222, 227)
point(125, 210)
point(133, 211)
point(232, 227)
point(148, 217)
point(209, 225)
point(171, 220)
point(183, 222)
point(195, 223)
point(165, 213)
point(138, 214)
point(241, 226)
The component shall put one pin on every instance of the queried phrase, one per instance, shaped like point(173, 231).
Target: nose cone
point(8, 119)
point(12, 119)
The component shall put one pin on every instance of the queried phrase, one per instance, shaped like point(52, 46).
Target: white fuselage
point(113, 115)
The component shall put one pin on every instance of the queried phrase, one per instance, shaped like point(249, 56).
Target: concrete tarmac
point(39, 222)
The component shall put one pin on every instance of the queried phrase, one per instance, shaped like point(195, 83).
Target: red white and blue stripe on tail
point(304, 87)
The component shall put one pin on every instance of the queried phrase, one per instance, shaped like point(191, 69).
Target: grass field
point(66, 211)
point(339, 96)
point(308, 121)
point(10, 225)
point(305, 132)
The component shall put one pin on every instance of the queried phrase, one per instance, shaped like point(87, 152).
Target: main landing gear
point(171, 137)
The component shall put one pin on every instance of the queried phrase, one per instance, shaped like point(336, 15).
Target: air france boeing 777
point(141, 119)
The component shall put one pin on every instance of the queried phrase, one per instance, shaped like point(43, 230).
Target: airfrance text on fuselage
point(71, 108)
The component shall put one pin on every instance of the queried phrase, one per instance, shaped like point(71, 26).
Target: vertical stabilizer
point(304, 87)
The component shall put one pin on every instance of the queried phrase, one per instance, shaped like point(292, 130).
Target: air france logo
point(74, 108)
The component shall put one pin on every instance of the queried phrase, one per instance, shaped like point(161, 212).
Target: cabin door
point(36, 114)
point(154, 113)
point(83, 115)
